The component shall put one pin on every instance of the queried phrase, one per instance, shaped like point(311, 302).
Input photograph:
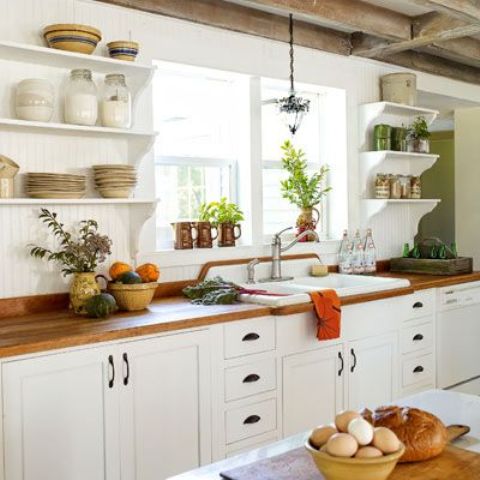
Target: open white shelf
point(76, 201)
point(387, 161)
point(139, 142)
point(138, 76)
point(418, 208)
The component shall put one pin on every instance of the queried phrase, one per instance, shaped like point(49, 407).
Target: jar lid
point(115, 77)
point(81, 72)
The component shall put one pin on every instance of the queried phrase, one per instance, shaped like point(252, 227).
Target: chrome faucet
point(251, 270)
point(277, 250)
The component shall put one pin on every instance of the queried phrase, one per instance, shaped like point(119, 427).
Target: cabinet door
point(61, 417)
point(165, 406)
point(312, 389)
point(372, 371)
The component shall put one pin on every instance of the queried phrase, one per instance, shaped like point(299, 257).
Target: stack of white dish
point(115, 181)
point(55, 185)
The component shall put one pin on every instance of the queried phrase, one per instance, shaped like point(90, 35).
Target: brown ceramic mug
point(184, 236)
point(226, 234)
point(204, 234)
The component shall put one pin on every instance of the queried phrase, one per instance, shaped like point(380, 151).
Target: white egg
point(361, 430)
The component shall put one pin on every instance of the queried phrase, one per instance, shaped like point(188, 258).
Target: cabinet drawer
point(250, 336)
point(422, 304)
point(250, 379)
point(418, 370)
point(251, 420)
point(416, 338)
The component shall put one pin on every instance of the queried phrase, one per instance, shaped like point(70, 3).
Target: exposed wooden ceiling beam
point(436, 66)
point(466, 10)
point(463, 50)
point(427, 29)
point(354, 15)
point(242, 19)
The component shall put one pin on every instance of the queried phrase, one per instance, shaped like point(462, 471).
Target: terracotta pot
point(307, 220)
point(84, 286)
point(226, 234)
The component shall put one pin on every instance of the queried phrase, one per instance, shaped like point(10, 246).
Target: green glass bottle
point(406, 250)
point(453, 248)
point(434, 252)
point(442, 252)
point(416, 252)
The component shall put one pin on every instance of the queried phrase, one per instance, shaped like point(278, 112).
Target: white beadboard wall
point(170, 40)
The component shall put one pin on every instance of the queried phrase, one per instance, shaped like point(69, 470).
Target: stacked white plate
point(55, 185)
point(115, 181)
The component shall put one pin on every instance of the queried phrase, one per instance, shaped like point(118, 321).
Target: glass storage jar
point(81, 103)
point(395, 187)
point(34, 100)
point(116, 105)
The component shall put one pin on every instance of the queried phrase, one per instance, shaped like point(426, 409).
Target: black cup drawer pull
point(418, 305)
point(418, 369)
point(418, 337)
point(252, 378)
point(251, 420)
point(250, 337)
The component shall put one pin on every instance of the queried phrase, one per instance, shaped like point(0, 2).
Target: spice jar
point(81, 104)
point(116, 105)
point(382, 186)
point(395, 187)
point(405, 186)
point(34, 100)
point(415, 188)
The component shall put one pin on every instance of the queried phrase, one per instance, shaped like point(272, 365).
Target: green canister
point(382, 137)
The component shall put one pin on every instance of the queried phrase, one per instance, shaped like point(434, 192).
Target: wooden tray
point(454, 266)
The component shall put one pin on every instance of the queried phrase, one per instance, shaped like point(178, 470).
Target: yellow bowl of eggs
point(351, 448)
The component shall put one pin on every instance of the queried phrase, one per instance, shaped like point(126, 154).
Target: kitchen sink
point(296, 291)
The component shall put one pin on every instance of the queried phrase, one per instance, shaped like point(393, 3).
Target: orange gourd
point(118, 269)
point(148, 272)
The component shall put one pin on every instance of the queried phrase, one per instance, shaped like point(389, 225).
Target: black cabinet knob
point(250, 337)
point(418, 337)
point(252, 419)
point(418, 369)
point(252, 378)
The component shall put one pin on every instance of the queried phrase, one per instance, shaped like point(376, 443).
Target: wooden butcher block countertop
point(60, 329)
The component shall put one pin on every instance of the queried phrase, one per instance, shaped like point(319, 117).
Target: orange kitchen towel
point(329, 314)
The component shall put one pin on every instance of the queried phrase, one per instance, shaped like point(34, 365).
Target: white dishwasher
point(458, 338)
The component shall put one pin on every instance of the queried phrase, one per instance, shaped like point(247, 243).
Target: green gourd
point(101, 305)
point(130, 278)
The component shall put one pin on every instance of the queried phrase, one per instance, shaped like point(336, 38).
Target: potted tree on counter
point(303, 190)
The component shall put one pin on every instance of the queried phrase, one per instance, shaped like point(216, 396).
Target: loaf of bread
point(422, 433)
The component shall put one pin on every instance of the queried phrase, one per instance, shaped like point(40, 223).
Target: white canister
point(399, 88)
point(34, 100)
point(81, 103)
point(116, 105)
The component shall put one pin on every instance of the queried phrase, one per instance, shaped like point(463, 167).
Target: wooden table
point(450, 407)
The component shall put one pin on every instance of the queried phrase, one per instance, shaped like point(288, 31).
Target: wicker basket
point(133, 297)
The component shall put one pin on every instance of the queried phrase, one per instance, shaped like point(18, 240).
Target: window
point(278, 212)
point(195, 157)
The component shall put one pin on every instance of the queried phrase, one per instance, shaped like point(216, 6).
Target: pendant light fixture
point(292, 108)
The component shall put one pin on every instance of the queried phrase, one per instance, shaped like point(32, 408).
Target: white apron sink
point(297, 290)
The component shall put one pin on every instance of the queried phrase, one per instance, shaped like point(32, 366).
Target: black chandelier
point(292, 108)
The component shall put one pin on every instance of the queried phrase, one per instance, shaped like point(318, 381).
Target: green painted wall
point(439, 182)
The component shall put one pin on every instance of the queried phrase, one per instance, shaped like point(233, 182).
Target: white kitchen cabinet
point(165, 405)
point(312, 388)
point(372, 371)
point(60, 417)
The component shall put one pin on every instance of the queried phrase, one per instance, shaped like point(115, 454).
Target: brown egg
point(368, 452)
point(342, 445)
point(344, 418)
point(321, 434)
point(385, 440)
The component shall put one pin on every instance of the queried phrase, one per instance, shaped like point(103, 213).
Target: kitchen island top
point(450, 407)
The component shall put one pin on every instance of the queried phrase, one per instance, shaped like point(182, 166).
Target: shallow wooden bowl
point(123, 50)
point(134, 297)
point(341, 468)
point(72, 37)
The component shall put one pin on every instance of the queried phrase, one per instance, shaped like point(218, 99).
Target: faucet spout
point(300, 237)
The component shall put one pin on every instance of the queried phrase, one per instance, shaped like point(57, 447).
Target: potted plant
point(302, 190)
point(78, 254)
point(418, 136)
point(225, 216)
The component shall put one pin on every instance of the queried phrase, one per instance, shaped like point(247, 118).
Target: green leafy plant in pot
point(79, 253)
point(301, 189)
point(225, 216)
point(419, 136)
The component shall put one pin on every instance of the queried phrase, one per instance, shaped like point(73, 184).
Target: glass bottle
point(358, 257)
point(416, 252)
point(116, 104)
point(345, 255)
point(81, 103)
point(453, 248)
point(406, 250)
point(370, 253)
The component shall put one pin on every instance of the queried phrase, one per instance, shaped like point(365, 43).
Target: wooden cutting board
point(454, 463)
